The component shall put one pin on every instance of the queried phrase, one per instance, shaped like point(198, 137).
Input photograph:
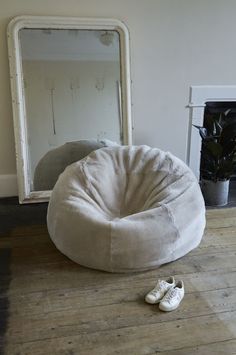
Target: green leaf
point(215, 149)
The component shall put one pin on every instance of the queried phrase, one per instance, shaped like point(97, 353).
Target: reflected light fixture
point(106, 38)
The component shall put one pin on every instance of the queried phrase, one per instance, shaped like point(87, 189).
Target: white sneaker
point(162, 286)
point(173, 297)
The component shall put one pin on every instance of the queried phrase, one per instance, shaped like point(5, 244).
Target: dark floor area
point(13, 214)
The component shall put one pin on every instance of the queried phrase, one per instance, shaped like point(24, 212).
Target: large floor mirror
point(70, 80)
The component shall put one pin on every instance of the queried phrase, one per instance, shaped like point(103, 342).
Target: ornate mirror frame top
point(17, 86)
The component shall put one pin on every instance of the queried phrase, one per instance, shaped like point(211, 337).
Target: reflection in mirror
point(72, 92)
point(70, 84)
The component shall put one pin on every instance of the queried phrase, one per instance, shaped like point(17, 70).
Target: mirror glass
point(70, 85)
point(72, 89)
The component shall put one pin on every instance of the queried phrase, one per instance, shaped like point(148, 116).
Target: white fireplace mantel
point(199, 95)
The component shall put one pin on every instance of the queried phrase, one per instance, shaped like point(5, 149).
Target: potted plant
point(218, 156)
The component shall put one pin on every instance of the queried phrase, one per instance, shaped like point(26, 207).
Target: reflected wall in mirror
point(70, 82)
point(71, 86)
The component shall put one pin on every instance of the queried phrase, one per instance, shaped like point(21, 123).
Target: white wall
point(174, 44)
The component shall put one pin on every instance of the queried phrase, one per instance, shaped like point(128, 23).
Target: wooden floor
point(50, 305)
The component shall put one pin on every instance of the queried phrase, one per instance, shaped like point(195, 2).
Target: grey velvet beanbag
point(124, 209)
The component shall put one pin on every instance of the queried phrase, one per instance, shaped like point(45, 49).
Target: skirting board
point(8, 186)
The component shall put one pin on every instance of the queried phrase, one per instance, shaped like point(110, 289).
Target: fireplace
point(203, 99)
point(215, 109)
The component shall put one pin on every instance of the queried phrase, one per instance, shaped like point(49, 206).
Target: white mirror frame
point(17, 87)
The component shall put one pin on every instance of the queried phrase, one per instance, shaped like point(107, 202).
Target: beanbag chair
point(126, 208)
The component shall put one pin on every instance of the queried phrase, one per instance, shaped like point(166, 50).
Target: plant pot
point(215, 193)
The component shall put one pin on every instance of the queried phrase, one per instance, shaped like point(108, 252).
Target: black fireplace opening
point(215, 109)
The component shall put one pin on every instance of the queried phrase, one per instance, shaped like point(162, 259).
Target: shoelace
point(171, 294)
point(160, 286)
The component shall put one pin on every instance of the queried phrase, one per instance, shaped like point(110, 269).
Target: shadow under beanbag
point(124, 209)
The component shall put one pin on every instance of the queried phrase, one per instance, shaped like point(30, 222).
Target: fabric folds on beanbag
point(126, 208)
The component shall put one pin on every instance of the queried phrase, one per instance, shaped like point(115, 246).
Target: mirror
point(70, 86)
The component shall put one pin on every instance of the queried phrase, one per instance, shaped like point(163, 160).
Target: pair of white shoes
point(167, 293)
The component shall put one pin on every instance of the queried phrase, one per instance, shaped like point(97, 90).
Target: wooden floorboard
point(54, 306)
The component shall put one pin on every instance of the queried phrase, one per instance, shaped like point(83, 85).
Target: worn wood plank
point(144, 339)
point(66, 274)
point(56, 319)
point(220, 213)
point(227, 347)
point(92, 294)
point(59, 307)
point(222, 222)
